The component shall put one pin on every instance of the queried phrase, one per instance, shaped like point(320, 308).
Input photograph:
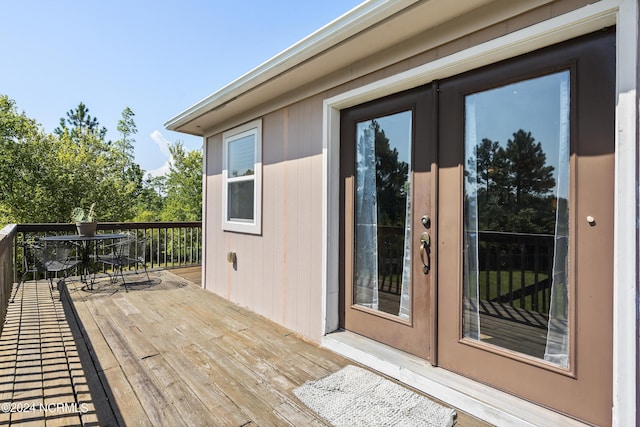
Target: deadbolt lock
point(426, 221)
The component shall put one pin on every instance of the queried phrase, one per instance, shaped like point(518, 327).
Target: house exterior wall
point(279, 273)
point(288, 273)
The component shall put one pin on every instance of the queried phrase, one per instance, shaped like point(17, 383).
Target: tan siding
point(212, 217)
point(279, 273)
point(273, 149)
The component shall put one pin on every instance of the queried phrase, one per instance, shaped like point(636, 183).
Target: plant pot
point(86, 228)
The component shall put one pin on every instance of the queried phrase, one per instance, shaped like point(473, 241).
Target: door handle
point(425, 249)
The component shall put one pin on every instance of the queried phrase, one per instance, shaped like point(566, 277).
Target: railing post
point(7, 268)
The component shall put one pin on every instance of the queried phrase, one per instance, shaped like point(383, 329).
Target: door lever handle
point(425, 248)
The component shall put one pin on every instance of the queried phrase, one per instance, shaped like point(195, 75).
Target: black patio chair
point(126, 253)
point(50, 259)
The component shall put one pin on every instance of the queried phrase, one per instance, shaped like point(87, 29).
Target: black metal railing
point(169, 244)
point(516, 269)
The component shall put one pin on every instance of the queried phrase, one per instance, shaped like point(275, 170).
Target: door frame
point(622, 14)
point(417, 334)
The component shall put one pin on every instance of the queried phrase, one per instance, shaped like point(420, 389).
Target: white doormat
point(356, 397)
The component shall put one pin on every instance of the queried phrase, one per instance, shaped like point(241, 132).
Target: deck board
point(167, 342)
point(160, 352)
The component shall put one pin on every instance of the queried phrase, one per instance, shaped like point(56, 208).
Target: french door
point(387, 195)
point(477, 224)
point(526, 252)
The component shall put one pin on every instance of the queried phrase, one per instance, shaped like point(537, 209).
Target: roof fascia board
point(579, 22)
point(351, 23)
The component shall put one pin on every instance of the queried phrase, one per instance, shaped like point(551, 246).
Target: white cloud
point(163, 145)
point(162, 142)
point(162, 170)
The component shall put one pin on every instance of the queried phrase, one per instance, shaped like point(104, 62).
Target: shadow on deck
point(161, 352)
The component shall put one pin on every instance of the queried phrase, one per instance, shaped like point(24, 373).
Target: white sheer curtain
point(366, 242)
point(557, 348)
point(470, 303)
point(405, 293)
point(557, 338)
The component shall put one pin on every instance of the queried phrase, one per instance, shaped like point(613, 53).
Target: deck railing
point(515, 268)
point(169, 244)
point(7, 270)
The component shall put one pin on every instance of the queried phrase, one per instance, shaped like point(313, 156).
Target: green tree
point(391, 177)
point(124, 155)
point(532, 209)
point(183, 185)
point(528, 169)
point(490, 168)
point(24, 164)
point(514, 185)
point(44, 176)
point(78, 123)
point(89, 171)
point(127, 128)
point(151, 201)
point(92, 170)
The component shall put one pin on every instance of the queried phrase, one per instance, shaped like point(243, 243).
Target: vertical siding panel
point(279, 290)
point(279, 229)
point(263, 257)
point(229, 277)
point(268, 283)
point(315, 272)
point(215, 244)
point(252, 246)
point(304, 223)
point(241, 286)
point(290, 237)
point(278, 221)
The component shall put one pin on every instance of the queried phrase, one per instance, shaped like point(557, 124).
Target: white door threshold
point(479, 400)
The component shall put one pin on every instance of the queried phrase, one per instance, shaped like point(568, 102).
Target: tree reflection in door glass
point(516, 217)
point(382, 264)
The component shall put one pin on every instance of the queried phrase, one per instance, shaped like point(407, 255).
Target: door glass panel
point(516, 214)
point(382, 221)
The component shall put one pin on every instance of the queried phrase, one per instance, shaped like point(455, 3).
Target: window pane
point(516, 217)
point(240, 201)
point(382, 265)
point(241, 158)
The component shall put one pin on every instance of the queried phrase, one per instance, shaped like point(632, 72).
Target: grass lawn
point(519, 280)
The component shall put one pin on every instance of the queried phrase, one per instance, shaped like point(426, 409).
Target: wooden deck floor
point(162, 352)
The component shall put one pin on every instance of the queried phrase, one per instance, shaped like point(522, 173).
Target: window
point(242, 178)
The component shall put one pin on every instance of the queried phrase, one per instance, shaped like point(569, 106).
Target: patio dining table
point(86, 245)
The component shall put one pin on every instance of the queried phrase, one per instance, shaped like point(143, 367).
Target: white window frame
point(251, 227)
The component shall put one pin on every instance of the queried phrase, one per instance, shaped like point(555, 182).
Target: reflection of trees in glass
point(391, 179)
point(515, 185)
point(236, 174)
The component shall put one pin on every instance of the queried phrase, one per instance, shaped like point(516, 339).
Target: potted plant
point(85, 220)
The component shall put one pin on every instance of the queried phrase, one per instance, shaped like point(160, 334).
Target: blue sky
point(155, 57)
